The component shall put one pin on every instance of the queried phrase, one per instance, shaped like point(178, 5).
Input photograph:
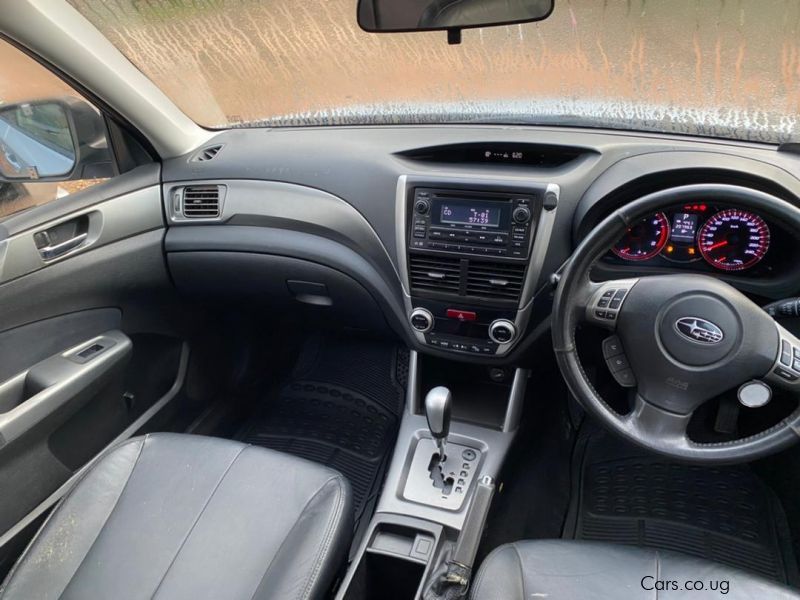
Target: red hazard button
point(461, 315)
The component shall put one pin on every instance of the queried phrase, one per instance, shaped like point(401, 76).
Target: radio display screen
point(470, 214)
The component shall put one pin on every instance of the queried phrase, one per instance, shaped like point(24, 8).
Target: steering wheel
point(686, 338)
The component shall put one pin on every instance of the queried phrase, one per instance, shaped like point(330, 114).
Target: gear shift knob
point(437, 411)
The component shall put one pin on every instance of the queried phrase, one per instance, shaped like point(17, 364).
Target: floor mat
point(723, 514)
point(340, 407)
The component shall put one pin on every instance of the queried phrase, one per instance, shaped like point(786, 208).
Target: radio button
point(419, 232)
point(499, 240)
point(521, 214)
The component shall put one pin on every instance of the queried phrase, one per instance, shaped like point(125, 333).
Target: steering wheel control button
point(608, 300)
point(502, 331)
point(754, 394)
point(786, 353)
point(611, 347)
point(786, 374)
point(421, 320)
point(625, 378)
point(618, 363)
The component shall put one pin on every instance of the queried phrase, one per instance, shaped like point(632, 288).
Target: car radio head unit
point(475, 223)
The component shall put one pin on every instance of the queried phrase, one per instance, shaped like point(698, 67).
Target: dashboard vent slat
point(435, 274)
point(498, 281)
point(201, 202)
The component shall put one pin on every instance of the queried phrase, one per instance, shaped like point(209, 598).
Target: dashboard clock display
point(734, 240)
point(645, 239)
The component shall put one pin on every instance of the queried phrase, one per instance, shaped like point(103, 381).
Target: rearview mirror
point(36, 141)
point(379, 16)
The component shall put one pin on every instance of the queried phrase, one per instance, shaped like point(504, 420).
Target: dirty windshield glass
point(720, 68)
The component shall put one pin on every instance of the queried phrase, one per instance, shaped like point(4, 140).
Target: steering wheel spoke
point(603, 301)
point(651, 422)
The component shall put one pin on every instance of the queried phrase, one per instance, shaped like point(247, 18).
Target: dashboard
point(452, 237)
point(708, 238)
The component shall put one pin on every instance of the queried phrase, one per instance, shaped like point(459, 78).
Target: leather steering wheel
point(687, 338)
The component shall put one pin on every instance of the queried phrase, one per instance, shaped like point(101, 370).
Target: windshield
point(718, 68)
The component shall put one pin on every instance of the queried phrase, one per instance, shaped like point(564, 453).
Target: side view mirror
point(53, 140)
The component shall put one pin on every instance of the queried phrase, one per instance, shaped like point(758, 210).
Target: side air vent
point(201, 201)
point(435, 274)
point(207, 153)
point(498, 281)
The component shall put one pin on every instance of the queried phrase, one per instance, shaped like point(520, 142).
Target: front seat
point(594, 571)
point(171, 516)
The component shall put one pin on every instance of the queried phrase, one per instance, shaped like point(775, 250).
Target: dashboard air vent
point(498, 281)
point(201, 201)
point(435, 273)
point(207, 153)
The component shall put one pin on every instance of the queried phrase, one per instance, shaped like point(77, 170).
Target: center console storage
point(393, 561)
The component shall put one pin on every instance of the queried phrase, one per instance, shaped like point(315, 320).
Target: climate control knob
point(502, 331)
point(421, 320)
point(521, 215)
point(421, 207)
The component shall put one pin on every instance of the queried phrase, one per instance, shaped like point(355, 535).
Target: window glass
point(703, 67)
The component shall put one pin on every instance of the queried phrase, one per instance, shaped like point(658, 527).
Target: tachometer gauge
point(734, 240)
point(643, 240)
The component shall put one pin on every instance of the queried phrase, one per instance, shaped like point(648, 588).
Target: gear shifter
point(437, 411)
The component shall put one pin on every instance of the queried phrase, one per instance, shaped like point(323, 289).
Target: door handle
point(62, 238)
point(55, 250)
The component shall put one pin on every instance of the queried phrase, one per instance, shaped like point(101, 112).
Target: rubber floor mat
point(722, 514)
point(341, 407)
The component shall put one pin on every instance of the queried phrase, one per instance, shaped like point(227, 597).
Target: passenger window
point(53, 142)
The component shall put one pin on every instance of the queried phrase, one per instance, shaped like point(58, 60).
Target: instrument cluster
point(725, 238)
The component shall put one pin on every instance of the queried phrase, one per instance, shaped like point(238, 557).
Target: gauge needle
point(717, 245)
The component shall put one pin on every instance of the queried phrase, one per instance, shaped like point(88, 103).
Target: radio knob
point(421, 207)
point(521, 215)
point(421, 319)
point(502, 331)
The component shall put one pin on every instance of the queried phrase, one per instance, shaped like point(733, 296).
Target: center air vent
point(207, 153)
point(498, 281)
point(201, 201)
point(435, 273)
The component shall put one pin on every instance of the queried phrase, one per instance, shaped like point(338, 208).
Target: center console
point(454, 436)
point(471, 253)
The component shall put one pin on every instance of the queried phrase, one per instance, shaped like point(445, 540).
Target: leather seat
point(587, 571)
point(176, 516)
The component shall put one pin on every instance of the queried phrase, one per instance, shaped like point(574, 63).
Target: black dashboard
point(331, 219)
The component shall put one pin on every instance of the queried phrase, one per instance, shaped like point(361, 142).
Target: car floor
point(337, 400)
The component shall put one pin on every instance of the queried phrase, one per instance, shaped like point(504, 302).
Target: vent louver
point(201, 202)
point(435, 274)
point(207, 153)
point(499, 281)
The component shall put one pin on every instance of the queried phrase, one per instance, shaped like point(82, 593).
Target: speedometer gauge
point(734, 240)
point(644, 240)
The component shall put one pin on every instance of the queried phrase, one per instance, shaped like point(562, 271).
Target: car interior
point(397, 350)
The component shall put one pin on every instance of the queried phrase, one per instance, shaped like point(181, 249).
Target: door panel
point(72, 378)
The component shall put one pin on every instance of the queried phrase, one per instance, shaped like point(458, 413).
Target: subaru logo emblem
point(699, 330)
